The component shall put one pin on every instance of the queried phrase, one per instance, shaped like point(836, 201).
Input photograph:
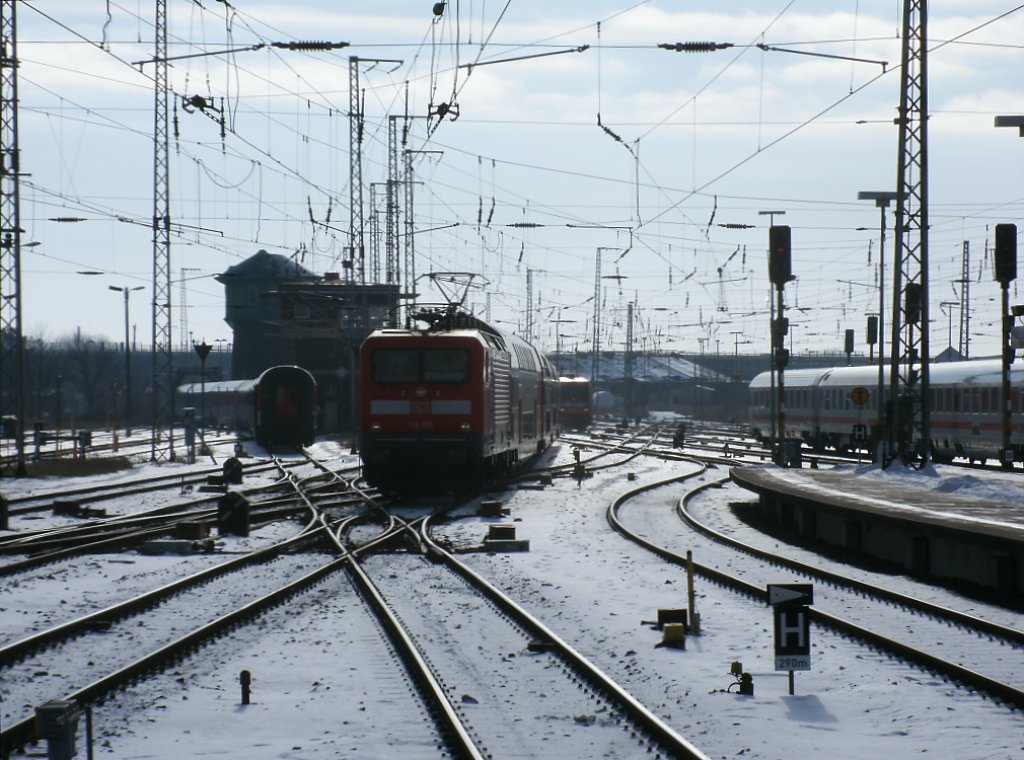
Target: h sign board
point(792, 638)
point(792, 625)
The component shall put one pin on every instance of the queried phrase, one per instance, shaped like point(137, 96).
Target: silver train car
point(837, 408)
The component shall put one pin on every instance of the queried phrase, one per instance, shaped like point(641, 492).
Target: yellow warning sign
point(859, 395)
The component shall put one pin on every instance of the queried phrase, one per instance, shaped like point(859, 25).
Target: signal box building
point(281, 313)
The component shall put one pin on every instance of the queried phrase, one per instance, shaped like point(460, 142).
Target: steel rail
point(11, 653)
point(661, 732)
point(455, 733)
point(966, 676)
point(24, 731)
point(964, 619)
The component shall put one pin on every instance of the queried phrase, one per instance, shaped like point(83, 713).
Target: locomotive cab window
point(395, 365)
point(432, 365)
point(442, 365)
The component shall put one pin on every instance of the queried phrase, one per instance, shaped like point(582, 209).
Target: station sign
point(792, 625)
point(792, 638)
point(860, 395)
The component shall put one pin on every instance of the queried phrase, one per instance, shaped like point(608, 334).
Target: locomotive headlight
point(464, 427)
point(375, 426)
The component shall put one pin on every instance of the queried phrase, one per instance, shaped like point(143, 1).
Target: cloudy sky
point(607, 146)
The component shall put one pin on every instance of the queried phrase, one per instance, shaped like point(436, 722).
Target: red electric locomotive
point(576, 408)
point(453, 405)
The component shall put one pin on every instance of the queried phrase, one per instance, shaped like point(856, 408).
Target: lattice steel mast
point(965, 303)
point(392, 220)
point(910, 428)
point(355, 175)
point(12, 386)
point(163, 373)
point(409, 247)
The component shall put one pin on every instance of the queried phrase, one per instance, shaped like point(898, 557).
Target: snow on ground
point(593, 588)
point(980, 498)
point(323, 685)
point(1007, 488)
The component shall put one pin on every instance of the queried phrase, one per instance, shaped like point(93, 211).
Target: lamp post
point(202, 350)
point(127, 359)
point(882, 199)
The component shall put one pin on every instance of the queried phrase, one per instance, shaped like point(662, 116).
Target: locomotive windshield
point(575, 392)
point(432, 365)
point(395, 365)
point(445, 365)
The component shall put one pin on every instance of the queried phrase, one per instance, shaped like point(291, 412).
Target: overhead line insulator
point(308, 45)
point(695, 47)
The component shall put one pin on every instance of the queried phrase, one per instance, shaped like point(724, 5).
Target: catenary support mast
point(355, 176)
point(12, 386)
point(910, 429)
point(163, 374)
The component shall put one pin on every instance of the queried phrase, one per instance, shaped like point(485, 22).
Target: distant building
point(281, 313)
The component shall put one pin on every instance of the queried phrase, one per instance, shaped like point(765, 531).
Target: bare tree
point(90, 375)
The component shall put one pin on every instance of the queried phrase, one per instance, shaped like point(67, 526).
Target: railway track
point(975, 652)
point(35, 548)
point(131, 640)
point(490, 695)
point(500, 657)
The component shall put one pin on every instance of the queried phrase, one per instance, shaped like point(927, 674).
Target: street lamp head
point(1011, 121)
point(882, 198)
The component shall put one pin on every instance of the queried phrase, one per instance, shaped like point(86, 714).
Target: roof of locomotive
point(451, 322)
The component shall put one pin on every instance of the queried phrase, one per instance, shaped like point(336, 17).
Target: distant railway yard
point(609, 600)
point(511, 380)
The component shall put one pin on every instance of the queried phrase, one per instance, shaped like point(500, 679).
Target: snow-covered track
point(868, 615)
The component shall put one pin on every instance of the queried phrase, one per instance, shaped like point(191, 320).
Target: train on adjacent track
point(575, 405)
point(837, 408)
point(453, 405)
point(278, 408)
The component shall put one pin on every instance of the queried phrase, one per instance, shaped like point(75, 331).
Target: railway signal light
point(912, 302)
point(872, 330)
point(780, 329)
point(779, 255)
point(1006, 253)
point(848, 343)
